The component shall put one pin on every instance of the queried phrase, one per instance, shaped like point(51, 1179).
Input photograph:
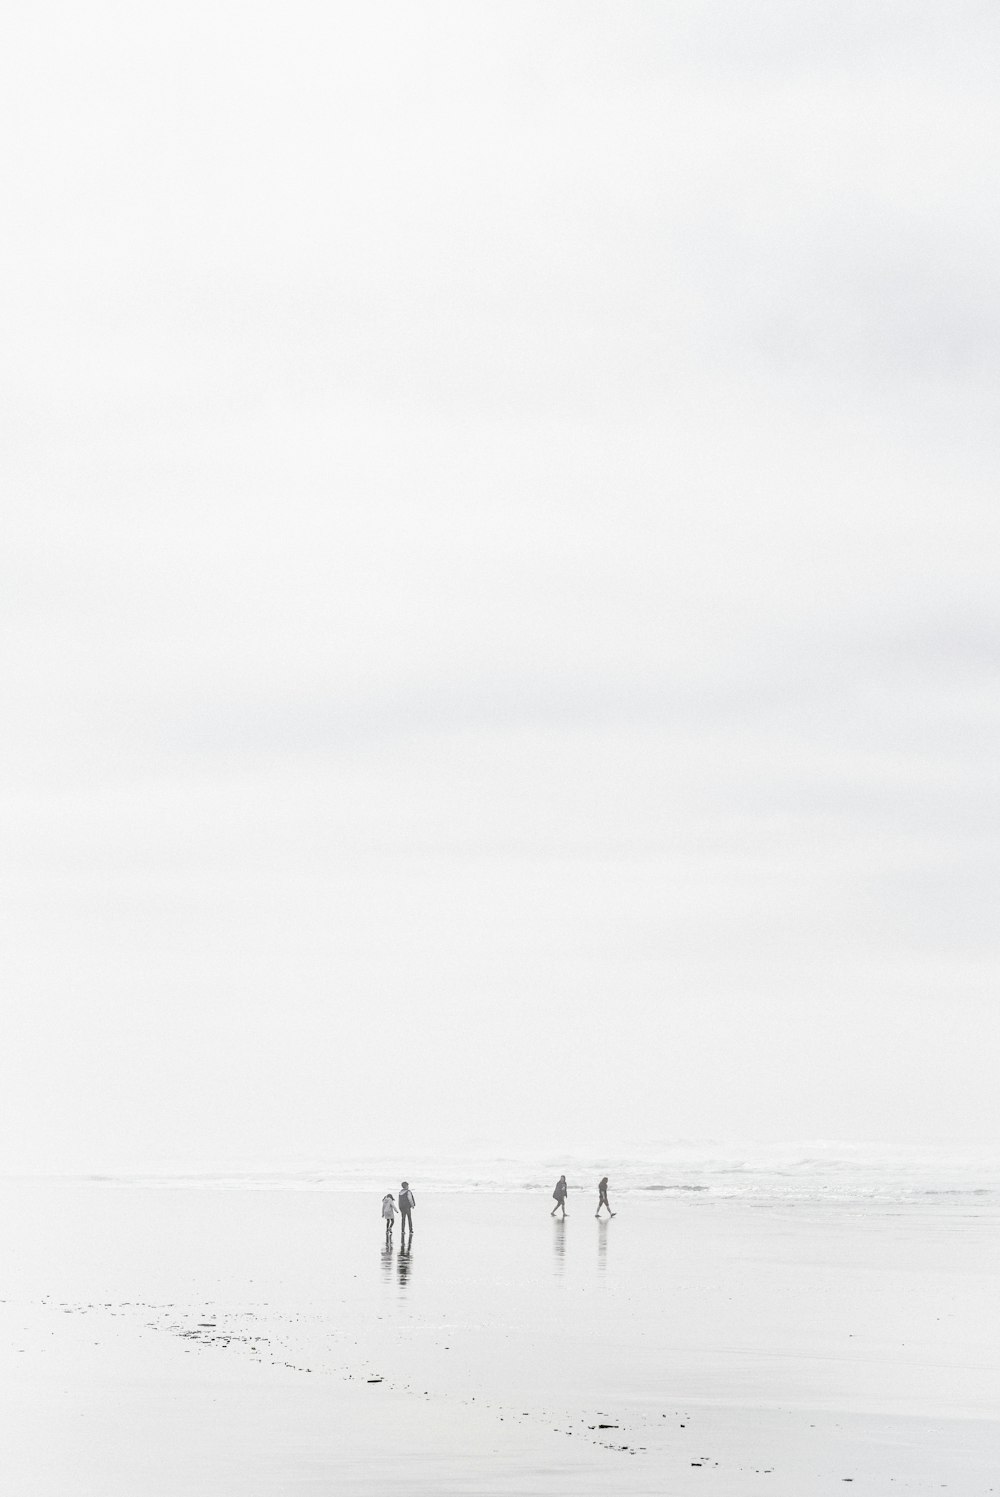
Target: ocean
point(771, 1173)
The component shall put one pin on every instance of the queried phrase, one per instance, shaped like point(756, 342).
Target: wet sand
point(158, 1341)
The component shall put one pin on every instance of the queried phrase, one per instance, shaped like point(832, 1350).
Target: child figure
point(389, 1213)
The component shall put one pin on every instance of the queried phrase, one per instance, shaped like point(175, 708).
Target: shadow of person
point(403, 1263)
point(387, 1258)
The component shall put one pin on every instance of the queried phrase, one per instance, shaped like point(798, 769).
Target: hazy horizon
point(499, 579)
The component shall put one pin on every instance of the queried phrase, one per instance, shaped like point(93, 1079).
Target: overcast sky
point(499, 580)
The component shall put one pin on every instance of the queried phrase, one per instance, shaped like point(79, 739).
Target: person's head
point(406, 1184)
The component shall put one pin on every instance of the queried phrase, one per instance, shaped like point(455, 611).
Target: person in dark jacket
point(559, 1195)
point(602, 1197)
point(407, 1201)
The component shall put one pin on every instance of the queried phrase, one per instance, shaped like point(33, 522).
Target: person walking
point(389, 1215)
point(602, 1198)
point(407, 1201)
point(559, 1195)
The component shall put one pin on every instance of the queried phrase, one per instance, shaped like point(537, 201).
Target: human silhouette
point(559, 1195)
point(389, 1213)
point(407, 1201)
point(602, 1198)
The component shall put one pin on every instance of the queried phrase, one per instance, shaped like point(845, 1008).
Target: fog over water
point(499, 580)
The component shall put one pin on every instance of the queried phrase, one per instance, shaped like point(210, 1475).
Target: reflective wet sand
point(162, 1341)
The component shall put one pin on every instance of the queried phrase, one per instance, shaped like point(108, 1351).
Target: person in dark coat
point(559, 1195)
point(407, 1201)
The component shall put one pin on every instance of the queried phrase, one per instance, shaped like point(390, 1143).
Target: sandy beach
point(168, 1340)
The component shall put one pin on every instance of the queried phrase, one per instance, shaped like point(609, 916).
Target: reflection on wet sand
point(387, 1260)
point(403, 1262)
point(602, 1245)
point(559, 1228)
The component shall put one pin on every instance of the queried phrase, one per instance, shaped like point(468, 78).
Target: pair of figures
point(407, 1201)
point(562, 1191)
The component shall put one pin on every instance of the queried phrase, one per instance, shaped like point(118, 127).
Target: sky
point(498, 589)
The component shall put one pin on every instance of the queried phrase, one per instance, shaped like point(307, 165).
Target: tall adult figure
point(559, 1196)
point(407, 1201)
point(602, 1197)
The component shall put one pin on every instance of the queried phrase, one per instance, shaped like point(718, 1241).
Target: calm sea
point(769, 1173)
